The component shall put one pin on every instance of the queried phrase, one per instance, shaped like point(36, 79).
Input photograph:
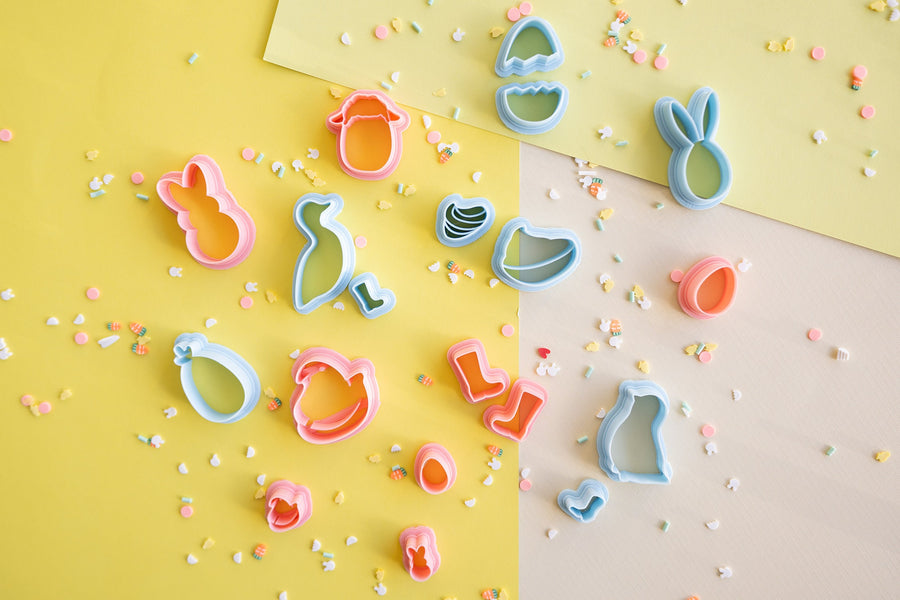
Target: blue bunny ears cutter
point(682, 128)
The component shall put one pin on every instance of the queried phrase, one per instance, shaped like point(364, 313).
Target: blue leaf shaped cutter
point(460, 221)
point(698, 124)
point(195, 345)
point(571, 254)
point(524, 126)
point(513, 65)
point(328, 219)
point(629, 391)
point(584, 504)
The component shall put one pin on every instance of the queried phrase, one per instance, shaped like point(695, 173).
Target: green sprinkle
point(599, 224)
point(456, 114)
point(193, 57)
point(582, 439)
point(700, 348)
point(430, 2)
point(588, 372)
point(685, 408)
point(665, 526)
point(187, 500)
point(631, 296)
point(416, 27)
point(586, 74)
point(399, 188)
point(328, 555)
point(872, 153)
point(259, 158)
point(387, 86)
point(622, 143)
point(617, 258)
point(281, 172)
point(97, 193)
point(659, 206)
point(143, 196)
point(661, 49)
point(143, 439)
point(830, 451)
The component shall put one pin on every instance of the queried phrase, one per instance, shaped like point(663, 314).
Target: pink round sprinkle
point(814, 334)
point(507, 330)
point(246, 301)
point(661, 62)
point(81, 338)
point(859, 72)
point(186, 511)
point(360, 241)
point(677, 275)
point(27, 400)
point(705, 356)
point(137, 178)
point(514, 14)
point(44, 407)
point(92, 293)
point(381, 32)
point(707, 430)
point(525, 485)
point(433, 137)
point(817, 53)
point(639, 56)
point(525, 9)
point(248, 154)
point(5, 135)
point(867, 111)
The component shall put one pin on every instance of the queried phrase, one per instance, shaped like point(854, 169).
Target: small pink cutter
point(514, 419)
point(434, 469)
point(368, 126)
point(244, 233)
point(477, 380)
point(288, 505)
point(420, 553)
point(346, 422)
point(707, 290)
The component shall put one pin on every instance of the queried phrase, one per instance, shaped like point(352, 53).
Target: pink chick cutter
point(288, 505)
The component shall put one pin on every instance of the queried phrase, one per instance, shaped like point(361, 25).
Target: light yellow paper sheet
point(771, 103)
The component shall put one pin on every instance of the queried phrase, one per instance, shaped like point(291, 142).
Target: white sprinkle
point(395, 76)
point(601, 413)
point(453, 277)
point(251, 286)
point(294, 354)
point(283, 596)
point(107, 179)
point(525, 472)
point(214, 461)
point(338, 306)
point(494, 464)
point(316, 545)
point(488, 480)
point(869, 172)
point(276, 165)
point(736, 395)
point(7, 294)
point(237, 557)
point(733, 484)
point(170, 412)
point(182, 468)
point(95, 184)
point(712, 525)
point(79, 319)
point(554, 195)
point(469, 273)
point(351, 540)
point(493, 282)
point(470, 502)
point(328, 565)
point(251, 451)
point(476, 176)
point(174, 271)
point(191, 559)
point(551, 533)
point(52, 321)
point(380, 589)
point(426, 121)
point(312, 153)
point(605, 132)
point(458, 35)
point(433, 267)
point(261, 480)
point(396, 448)
point(725, 572)
point(108, 341)
point(297, 164)
point(210, 322)
point(345, 38)
point(711, 448)
point(842, 354)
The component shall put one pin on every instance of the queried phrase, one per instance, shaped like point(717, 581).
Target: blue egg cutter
point(525, 126)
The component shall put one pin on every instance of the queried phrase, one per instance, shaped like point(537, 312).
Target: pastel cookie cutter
point(369, 128)
point(544, 272)
point(515, 419)
point(235, 230)
point(461, 221)
point(507, 64)
point(435, 469)
point(708, 288)
point(346, 422)
point(328, 220)
point(682, 129)
point(288, 505)
point(477, 380)
point(372, 299)
point(420, 554)
point(195, 345)
point(629, 392)
point(519, 123)
point(584, 503)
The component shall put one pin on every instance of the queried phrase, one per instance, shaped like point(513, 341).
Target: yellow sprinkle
point(260, 493)
point(319, 182)
point(65, 394)
point(691, 349)
point(497, 32)
point(409, 190)
point(91, 154)
point(636, 34)
point(379, 575)
point(310, 174)
point(773, 46)
point(339, 498)
point(396, 23)
point(592, 347)
point(375, 458)
point(271, 297)
point(711, 347)
point(883, 455)
point(335, 92)
point(638, 291)
point(144, 339)
point(34, 410)
point(270, 393)
point(615, 2)
point(606, 213)
point(439, 93)
point(789, 44)
point(208, 543)
point(878, 5)
point(503, 594)
point(643, 366)
point(384, 205)
point(608, 285)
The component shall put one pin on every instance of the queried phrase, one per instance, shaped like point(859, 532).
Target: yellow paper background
point(771, 103)
point(89, 511)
